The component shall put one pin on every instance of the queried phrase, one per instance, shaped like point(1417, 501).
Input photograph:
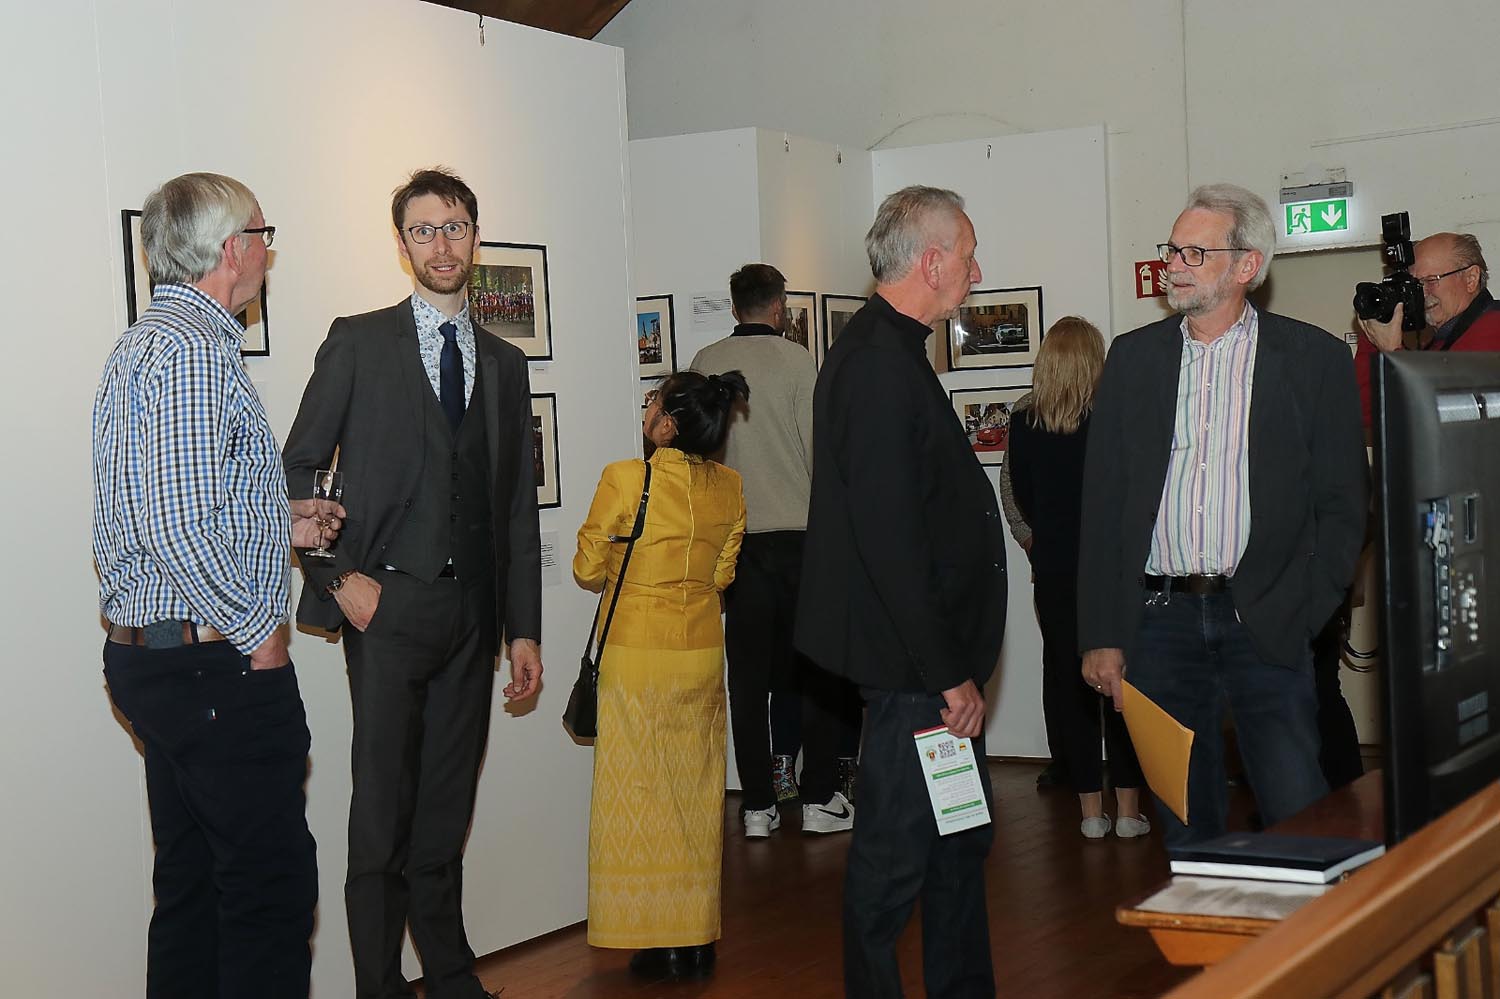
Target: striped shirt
point(1203, 523)
point(190, 501)
point(430, 342)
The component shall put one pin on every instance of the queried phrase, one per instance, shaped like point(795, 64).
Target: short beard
point(445, 285)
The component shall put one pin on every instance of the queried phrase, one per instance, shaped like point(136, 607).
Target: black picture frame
point(544, 450)
point(971, 406)
point(526, 319)
point(655, 336)
point(1011, 337)
point(843, 306)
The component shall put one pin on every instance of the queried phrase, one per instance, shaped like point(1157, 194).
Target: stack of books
point(1261, 856)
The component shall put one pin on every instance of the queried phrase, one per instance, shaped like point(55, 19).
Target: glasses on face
point(1192, 256)
point(267, 233)
point(1431, 281)
point(452, 231)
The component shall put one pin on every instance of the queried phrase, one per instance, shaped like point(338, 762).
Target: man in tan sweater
point(770, 445)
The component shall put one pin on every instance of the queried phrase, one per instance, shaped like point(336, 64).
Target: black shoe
point(654, 963)
point(696, 962)
point(1053, 776)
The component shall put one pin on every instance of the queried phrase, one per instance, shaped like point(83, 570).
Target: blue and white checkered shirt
point(190, 500)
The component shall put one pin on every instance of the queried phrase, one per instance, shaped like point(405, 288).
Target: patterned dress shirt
point(190, 502)
point(430, 342)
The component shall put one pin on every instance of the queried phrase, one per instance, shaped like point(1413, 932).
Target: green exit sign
point(1308, 217)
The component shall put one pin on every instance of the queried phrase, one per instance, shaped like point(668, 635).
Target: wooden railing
point(1422, 921)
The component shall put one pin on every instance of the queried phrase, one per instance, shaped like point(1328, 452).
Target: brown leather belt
point(1198, 586)
point(192, 634)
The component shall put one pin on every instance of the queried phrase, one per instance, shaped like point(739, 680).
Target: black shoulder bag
point(582, 712)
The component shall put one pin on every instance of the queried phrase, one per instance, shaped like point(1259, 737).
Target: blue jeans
point(1192, 656)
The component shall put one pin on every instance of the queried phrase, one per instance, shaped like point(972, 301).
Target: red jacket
point(1482, 334)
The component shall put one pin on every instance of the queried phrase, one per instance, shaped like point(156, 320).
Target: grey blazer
point(1308, 485)
point(367, 399)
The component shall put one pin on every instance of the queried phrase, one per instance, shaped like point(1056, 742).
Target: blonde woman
point(1047, 442)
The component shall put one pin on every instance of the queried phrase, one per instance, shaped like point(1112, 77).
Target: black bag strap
point(630, 539)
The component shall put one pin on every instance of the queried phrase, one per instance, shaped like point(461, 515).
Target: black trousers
point(897, 857)
point(420, 677)
point(235, 877)
point(760, 609)
point(1339, 756)
point(1072, 707)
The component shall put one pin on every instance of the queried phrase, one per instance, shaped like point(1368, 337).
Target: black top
point(1046, 476)
point(903, 573)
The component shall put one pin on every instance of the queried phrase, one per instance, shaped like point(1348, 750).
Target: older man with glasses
point(1224, 505)
point(1461, 312)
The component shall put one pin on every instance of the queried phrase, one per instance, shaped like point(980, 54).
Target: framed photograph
point(802, 320)
point(508, 296)
point(544, 449)
point(656, 335)
point(837, 311)
point(998, 328)
point(138, 286)
point(985, 416)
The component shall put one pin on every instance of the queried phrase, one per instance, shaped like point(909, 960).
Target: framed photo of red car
point(985, 414)
point(996, 328)
point(544, 449)
point(508, 296)
point(656, 335)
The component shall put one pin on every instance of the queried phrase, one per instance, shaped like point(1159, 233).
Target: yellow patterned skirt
point(656, 830)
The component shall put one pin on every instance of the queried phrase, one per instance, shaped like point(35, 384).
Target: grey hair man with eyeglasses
point(1224, 507)
point(429, 420)
point(191, 531)
point(1461, 312)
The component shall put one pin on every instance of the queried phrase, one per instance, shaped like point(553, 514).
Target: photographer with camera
point(1460, 313)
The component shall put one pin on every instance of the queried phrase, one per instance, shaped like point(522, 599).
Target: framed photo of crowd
point(985, 413)
point(802, 320)
point(656, 335)
point(544, 449)
point(837, 311)
point(509, 298)
point(138, 288)
point(997, 328)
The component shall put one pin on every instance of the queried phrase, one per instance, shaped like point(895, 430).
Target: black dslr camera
point(1379, 301)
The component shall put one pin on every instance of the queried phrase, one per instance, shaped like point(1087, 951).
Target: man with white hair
point(1224, 507)
point(904, 546)
point(191, 542)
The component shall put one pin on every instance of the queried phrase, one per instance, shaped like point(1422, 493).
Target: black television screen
point(1437, 466)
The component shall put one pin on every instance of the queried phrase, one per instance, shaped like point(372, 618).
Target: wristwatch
point(338, 582)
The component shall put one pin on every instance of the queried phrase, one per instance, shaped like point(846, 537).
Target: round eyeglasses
point(452, 231)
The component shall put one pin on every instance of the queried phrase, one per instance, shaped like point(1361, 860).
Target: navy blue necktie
point(451, 376)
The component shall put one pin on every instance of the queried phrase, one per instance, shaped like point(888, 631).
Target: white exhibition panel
point(1040, 214)
point(322, 109)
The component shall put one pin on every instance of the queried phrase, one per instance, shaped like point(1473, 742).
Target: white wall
point(1017, 187)
point(321, 109)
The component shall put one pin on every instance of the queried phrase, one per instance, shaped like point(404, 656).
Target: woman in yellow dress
point(657, 824)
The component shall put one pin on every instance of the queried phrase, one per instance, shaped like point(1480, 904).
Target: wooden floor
point(1052, 896)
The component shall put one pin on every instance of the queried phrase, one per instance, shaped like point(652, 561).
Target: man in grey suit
point(430, 421)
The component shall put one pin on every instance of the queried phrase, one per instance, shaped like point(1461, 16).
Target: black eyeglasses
point(1431, 280)
point(452, 231)
point(1193, 256)
point(267, 233)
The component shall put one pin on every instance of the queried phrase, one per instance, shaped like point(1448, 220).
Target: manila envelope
point(1163, 747)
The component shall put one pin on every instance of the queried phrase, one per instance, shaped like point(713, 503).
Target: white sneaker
point(836, 816)
point(1129, 828)
point(760, 823)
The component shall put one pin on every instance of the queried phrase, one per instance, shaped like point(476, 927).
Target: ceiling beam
point(579, 18)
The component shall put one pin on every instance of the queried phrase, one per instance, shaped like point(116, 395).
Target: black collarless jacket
point(903, 571)
point(1308, 485)
point(368, 397)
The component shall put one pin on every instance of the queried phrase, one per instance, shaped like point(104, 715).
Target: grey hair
point(907, 223)
point(1252, 228)
point(185, 222)
point(1466, 253)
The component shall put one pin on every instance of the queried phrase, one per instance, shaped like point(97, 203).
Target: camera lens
point(1374, 301)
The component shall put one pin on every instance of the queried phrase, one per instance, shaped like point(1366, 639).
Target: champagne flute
point(328, 484)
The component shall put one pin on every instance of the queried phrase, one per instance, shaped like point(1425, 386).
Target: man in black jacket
point(439, 561)
point(1224, 507)
point(904, 554)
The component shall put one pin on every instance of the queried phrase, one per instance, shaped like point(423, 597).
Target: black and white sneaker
point(836, 816)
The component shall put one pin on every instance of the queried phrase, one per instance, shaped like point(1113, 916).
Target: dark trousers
point(236, 877)
point(1072, 708)
point(760, 609)
point(897, 857)
point(1191, 656)
point(1340, 757)
point(420, 677)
